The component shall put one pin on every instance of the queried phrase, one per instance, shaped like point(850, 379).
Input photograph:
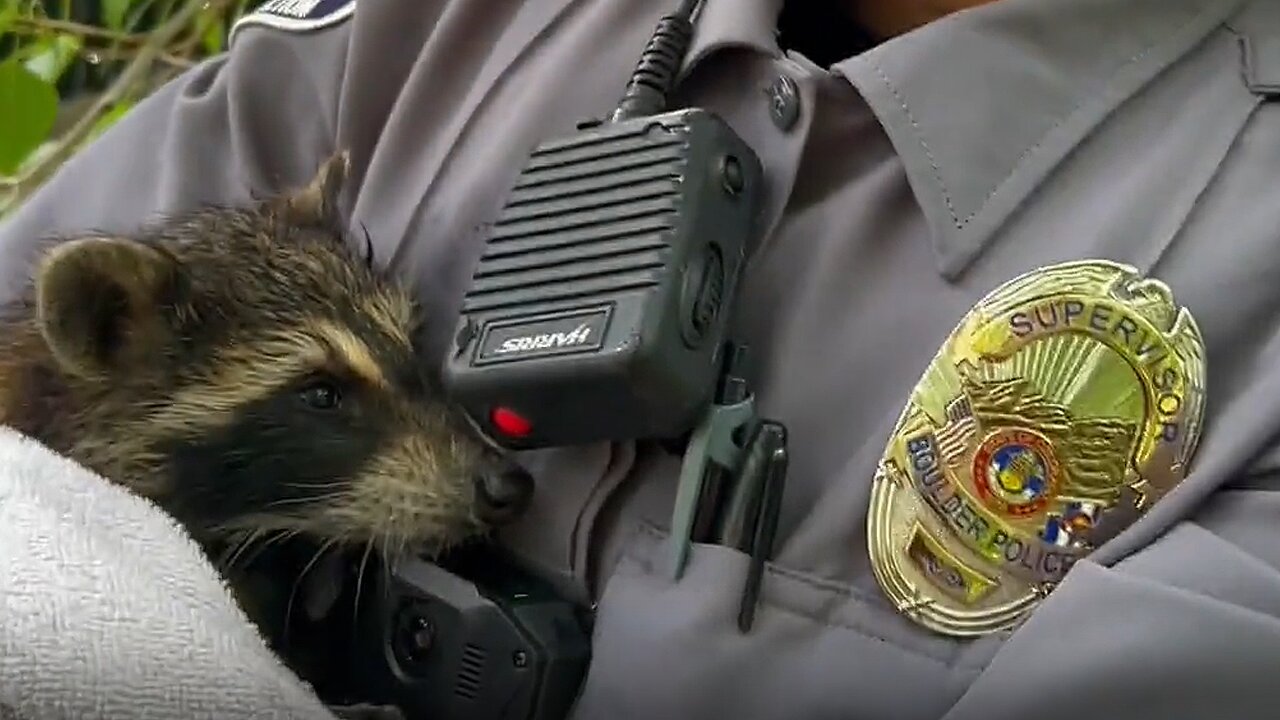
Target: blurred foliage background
point(71, 68)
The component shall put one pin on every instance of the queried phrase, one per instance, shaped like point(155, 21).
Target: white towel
point(109, 610)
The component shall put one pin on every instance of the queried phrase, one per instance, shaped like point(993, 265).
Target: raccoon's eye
point(321, 395)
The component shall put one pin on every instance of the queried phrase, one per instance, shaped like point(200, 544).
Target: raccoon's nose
point(502, 496)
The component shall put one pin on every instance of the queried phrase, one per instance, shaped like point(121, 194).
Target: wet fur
point(175, 362)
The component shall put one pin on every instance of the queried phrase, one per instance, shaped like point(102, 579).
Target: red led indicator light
point(510, 423)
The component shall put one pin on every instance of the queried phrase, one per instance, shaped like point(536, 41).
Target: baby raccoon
point(247, 371)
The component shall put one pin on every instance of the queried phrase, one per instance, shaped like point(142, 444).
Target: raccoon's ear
point(101, 303)
point(317, 203)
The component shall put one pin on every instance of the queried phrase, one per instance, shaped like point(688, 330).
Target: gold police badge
point(1060, 408)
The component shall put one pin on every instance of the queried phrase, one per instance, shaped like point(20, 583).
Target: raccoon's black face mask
point(253, 374)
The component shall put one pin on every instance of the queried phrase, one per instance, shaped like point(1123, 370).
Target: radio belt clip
point(731, 482)
point(713, 455)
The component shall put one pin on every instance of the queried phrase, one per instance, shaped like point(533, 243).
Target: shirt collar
point(981, 105)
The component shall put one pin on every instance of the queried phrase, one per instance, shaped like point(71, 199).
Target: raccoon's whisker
point(237, 543)
point(288, 608)
point(259, 540)
point(384, 547)
point(251, 550)
point(316, 486)
point(355, 604)
point(315, 499)
point(386, 567)
point(404, 548)
point(252, 523)
point(388, 558)
point(241, 555)
point(276, 537)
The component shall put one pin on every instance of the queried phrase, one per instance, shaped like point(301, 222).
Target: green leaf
point(53, 57)
point(28, 107)
point(214, 32)
point(8, 13)
point(113, 12)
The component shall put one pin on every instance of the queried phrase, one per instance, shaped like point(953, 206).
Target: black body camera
point(473, 638)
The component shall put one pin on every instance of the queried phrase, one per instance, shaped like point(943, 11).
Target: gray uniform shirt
point(902, 185)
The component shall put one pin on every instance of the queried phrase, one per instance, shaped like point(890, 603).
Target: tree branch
point(95, 54)
point(130, 42)
point(30, 25)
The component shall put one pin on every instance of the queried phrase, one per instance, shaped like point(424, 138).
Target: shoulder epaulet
point(295, 15)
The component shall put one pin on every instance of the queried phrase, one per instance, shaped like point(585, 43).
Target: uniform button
point(784, 102)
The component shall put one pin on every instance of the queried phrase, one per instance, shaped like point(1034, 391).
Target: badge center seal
point(1062, 406)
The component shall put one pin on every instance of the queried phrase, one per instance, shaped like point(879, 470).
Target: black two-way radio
point(596, 310)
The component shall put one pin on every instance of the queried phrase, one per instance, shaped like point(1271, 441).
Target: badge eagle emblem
point(1062, 406)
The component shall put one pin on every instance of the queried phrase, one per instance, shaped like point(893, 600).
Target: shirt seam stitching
point(918, 131)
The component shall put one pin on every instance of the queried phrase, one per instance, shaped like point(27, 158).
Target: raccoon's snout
point(502, 495)
point(503, 489)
